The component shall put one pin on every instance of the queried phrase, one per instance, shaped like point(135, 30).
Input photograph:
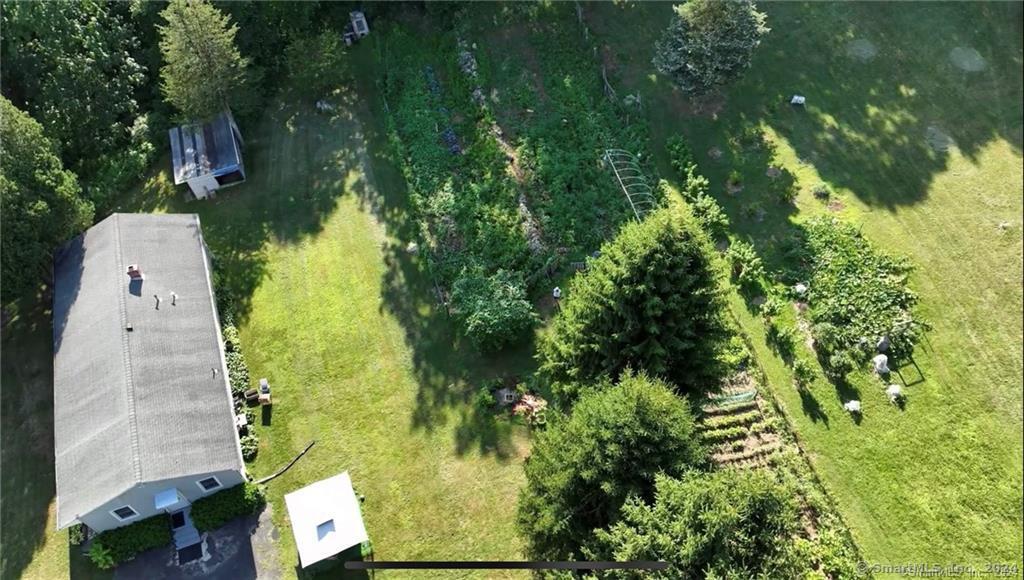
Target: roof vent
point(135, 273)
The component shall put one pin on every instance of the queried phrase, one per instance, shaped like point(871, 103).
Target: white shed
point(326, 519)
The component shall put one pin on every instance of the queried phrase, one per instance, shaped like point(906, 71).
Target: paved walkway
point(244, 549)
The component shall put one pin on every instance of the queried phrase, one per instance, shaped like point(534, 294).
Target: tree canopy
point(40, 201)
point(650, 301)
point(72, 63)
point(493, 309)
point(203, 70)
point(709, 43)
point(725, 524)
point(583, 467)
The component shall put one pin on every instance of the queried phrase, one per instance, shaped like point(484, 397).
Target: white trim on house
point(135, 513)
point(215, 488)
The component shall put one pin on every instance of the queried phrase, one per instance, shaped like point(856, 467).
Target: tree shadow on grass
point(447, 367)
point(812, 408)
point(26, 408)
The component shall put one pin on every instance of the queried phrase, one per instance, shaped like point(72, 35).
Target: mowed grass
point(310, 252)
point(330, 326)
point(942, 480)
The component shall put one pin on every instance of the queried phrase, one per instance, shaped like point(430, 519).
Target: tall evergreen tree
point(583, 468)
point(40, 202)
point(650, 301)
point(709, 43)
point(203, 70)
point(72, 65)
point(725, 524)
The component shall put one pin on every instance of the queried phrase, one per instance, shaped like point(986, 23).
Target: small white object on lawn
point(800, 288)
point(797, 100)
point(894, 392)
point(881, 363)
point(852, 406)
point(557, 293)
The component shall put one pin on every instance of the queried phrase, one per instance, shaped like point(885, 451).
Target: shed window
point(209, 484)
point(125, 513)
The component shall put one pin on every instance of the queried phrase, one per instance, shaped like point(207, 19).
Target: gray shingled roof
point(144, 405)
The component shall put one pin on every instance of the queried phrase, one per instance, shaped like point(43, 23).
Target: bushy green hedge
point(238, 371)
point(113, 547)
point(250, 446)
point(212, 512)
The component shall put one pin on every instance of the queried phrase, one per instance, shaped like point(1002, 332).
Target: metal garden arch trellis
point(632, 180)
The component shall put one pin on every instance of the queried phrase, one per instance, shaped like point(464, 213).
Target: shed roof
point(145, 404)
point(199, 149)
point(326, 519)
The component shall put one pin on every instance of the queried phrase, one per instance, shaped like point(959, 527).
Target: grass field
point(940, 481)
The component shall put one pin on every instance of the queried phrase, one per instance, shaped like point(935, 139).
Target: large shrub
point(709, 43)
point(212, 512)
point(493, 309)
point(113, 547)
point(583, 467)
point(725, 524)
point(858, 295)
point(650, 301)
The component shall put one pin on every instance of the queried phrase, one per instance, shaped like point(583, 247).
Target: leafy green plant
point(735, 178)
point(803, 373)
point(680, 155)
point(493, 309)
point(484, 398)
point(101, 556)
point(76, 534)
point(857, 295)
point(118, 545)
point(745, 263)
point(250, 444)
point(238, 371)
point(213, 511)
point(734, 355)
point(822, 191)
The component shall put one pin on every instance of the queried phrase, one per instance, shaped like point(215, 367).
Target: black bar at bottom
point(500, 565)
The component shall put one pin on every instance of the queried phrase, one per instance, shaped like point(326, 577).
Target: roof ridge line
point(133, 428)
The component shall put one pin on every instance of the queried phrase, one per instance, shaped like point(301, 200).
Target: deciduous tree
point(72, 65)
point(40, 201)
point(709, 43)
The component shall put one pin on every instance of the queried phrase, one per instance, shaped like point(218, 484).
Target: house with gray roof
point(143, 413)
point(207, 156)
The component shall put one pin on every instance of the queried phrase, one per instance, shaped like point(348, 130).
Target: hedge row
point(113, 547)
point(212, 512)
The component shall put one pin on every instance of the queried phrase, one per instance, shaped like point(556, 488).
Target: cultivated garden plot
point(799, 357)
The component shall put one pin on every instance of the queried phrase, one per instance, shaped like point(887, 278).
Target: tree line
point(89, 90)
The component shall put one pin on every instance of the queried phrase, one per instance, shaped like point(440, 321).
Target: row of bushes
point(113, 547)
point(213, 511)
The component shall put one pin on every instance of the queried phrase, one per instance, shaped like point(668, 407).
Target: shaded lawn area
point(942, 480)
point(362, 360)
point(31, 546)
point(332, 310)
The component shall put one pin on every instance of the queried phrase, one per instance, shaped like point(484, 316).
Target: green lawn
point(342, 321)
point(940, 481)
